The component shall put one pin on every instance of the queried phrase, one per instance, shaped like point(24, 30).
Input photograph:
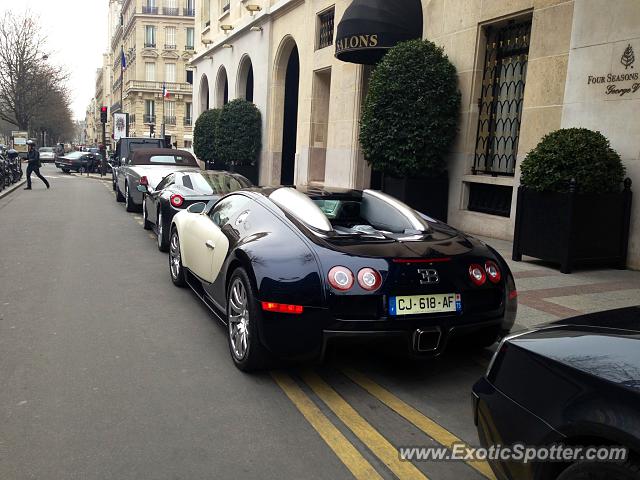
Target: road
point(108, 371)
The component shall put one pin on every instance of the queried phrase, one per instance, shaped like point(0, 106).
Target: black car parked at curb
point(290, 270)
point(575, 382)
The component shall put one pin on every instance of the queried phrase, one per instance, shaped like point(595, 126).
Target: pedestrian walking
point(34, 164)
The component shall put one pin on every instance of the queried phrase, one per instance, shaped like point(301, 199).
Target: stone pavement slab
point(545, 294)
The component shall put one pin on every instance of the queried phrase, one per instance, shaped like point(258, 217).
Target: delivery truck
point(19, 140)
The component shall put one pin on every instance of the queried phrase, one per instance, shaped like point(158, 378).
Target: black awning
point(371, 27)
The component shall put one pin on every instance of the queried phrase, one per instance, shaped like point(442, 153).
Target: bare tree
point(28, 81)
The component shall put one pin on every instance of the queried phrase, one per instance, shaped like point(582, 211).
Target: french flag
point(165, 92)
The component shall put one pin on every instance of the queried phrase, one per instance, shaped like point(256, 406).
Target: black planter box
point(252, 172)
point(427, 195)
point(571, 228)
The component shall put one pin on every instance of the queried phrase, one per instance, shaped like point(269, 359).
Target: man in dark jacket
point(34, 165)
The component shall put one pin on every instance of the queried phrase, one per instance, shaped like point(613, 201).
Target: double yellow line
point(366, 433)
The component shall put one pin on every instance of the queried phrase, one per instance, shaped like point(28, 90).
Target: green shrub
point(577, 153)
point(410, 117)
point(204, 135)
point(238, 138)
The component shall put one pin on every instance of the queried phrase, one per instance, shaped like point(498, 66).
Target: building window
point(170, 7)
point(149, 111)
point(325, 30)
point(503, 82)
point(189, 76)
point(190, 9)
point(170, 113)
point(170, 72)
point(188, 144)
point(150, 7)
point(150, 36)
point(190, 39)
point(206, 13)
point(188, 112)
point(170, 38)
point(150, 71)
point(225, 5)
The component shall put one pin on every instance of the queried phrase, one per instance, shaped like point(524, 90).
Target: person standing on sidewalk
point(34, 165)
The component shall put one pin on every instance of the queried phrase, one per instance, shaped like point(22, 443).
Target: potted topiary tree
point(409, 122)
point(203, 138)
point(238, 137)
point(572, 206)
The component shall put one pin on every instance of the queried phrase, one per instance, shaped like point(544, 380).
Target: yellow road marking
point(424, 423)
point(343, 448)
point(379, 445)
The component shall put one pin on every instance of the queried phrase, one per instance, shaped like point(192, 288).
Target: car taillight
point(477, 274)
point(144, 181)
point(493, 272)
point(176, 200)
point(282, 308)
point(369, 279)
point(341, 278)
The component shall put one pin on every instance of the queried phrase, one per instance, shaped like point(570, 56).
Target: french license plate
point(417, 304)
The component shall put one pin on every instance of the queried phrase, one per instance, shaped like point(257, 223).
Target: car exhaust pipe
point(427, 340)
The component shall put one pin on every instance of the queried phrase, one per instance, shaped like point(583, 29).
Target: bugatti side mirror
point(197, 208)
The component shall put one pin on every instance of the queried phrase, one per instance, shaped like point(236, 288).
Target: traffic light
point(103, 114)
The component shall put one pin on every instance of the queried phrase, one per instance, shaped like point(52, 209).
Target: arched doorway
point(245, 79)
point(287, 87)
point(222, 88)
point(204, 94)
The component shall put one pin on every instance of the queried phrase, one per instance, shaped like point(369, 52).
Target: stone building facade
point(157, 39)
point(525, 68)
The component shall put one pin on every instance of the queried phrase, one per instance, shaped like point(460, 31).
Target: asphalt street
point(108, 371)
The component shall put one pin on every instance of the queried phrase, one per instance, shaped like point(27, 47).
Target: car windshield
point(46, 150)
point(170, 159)
point(75, 155)
point(370, 213)
point(214, 183)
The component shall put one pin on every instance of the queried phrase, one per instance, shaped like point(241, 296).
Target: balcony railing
point(189, 47)
point(149, 10)
point(172, 87)
point(169, 47)
point(169, 120)
point(187, 121)
point(149, 118)
point(149, 45)
point(116, 107)
point(189, 12)
point(173, 11)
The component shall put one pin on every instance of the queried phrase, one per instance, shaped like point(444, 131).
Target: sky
point(76, 31)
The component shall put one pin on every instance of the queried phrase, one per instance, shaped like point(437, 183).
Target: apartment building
point(150, 49)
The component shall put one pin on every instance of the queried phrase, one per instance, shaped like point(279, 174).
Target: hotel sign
point(356, 42)
point(619, 84)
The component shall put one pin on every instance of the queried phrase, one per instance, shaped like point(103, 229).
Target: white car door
point(204, 246)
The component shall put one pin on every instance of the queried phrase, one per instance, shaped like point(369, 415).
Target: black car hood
point(608, 352)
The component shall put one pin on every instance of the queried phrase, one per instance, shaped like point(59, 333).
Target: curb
point(15, 186)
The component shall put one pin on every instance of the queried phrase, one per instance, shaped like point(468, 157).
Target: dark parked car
point(290, 270)
point(575, 382)
point(125, 148)
point(148, 167)
point(178, 191)
point(79, 162)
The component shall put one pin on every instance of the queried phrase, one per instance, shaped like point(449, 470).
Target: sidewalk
point(545, 294)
